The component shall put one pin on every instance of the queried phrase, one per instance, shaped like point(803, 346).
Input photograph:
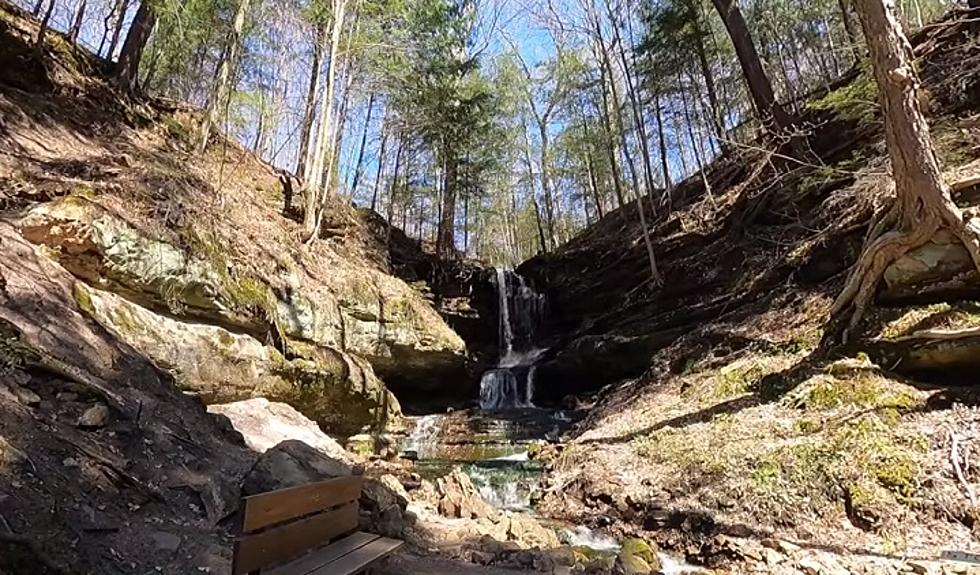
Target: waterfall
point(422, 440)
point(511, 384)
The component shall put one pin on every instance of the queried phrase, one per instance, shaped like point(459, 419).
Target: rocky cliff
point(195, 260)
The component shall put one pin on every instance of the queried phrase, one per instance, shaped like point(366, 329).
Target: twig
point(954, 457)
point(941, 334)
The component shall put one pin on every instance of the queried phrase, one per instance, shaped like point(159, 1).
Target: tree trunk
point(381, 166)
point(549, 205)
point(76, 25)
point(227, 70)
point(709, 79)
point(36, 9)
point(847, 19)
point(770, 112)
point(359, 165)
point(127, 69)
point(43, 28)
point(325, 137)
point(309, 109)
point(923, 203)
point(446, 238)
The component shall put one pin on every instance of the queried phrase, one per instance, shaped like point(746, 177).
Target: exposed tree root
point(884, 246)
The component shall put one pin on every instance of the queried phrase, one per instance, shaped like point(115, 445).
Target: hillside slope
point(721, 421)
point(178, 251)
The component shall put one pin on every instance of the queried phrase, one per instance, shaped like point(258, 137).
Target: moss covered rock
point(337, 390)
point(356, 308)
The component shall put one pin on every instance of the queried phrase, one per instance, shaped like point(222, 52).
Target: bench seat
point(346, 556)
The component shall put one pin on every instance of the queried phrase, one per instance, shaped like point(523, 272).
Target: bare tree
point(227, 67)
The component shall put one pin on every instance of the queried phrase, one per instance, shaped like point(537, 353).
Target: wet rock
point(633, 565)
point(265, 424)
point(524, 529)
point(636, 554)
point(94, 417)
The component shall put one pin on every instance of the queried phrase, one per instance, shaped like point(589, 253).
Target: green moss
point(857, 101)
point(83, 298)
point(737, 379)
point(226, 339)
point(177, 129)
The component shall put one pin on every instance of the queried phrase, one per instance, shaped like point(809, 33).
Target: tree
point(127, 69)
point(923, 205)
point(227, 68)
point(770, 111)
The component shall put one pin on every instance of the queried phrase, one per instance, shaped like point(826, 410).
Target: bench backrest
point(279, 525)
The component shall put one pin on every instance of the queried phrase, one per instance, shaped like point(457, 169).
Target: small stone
point(94, 417)
point(784, 547)
point(27, 397)
point(809, 566)
point(67, 396)
point(921, 567)
point(166, 541)
point(772, 557)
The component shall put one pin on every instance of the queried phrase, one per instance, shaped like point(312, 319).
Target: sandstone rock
point(265, 424)
point(458, 498)
point(810, 566)
point(524, 529)
point(942, 258)
point(94, 417)
point(385, 502)
point(356, 307)
point(338, 391)
point(27, 397)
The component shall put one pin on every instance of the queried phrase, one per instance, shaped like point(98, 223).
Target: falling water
point(511, 384)
point(422, 440)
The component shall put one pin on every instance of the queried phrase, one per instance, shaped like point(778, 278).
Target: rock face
point(337, 390)
point(340, 328)
point(940, 268)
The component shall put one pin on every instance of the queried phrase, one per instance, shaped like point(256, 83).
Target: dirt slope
point(734, 426)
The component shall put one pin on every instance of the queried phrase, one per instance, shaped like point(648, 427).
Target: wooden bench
point(307, 530)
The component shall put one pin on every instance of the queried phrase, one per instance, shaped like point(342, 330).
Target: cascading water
point(511, 384)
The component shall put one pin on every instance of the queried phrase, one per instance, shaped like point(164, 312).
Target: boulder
point(356, 308)
point(337, 390)
point(265, 424)
point(292, 463)
point(459, 498)
point(525, 530)
point(940, 268)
